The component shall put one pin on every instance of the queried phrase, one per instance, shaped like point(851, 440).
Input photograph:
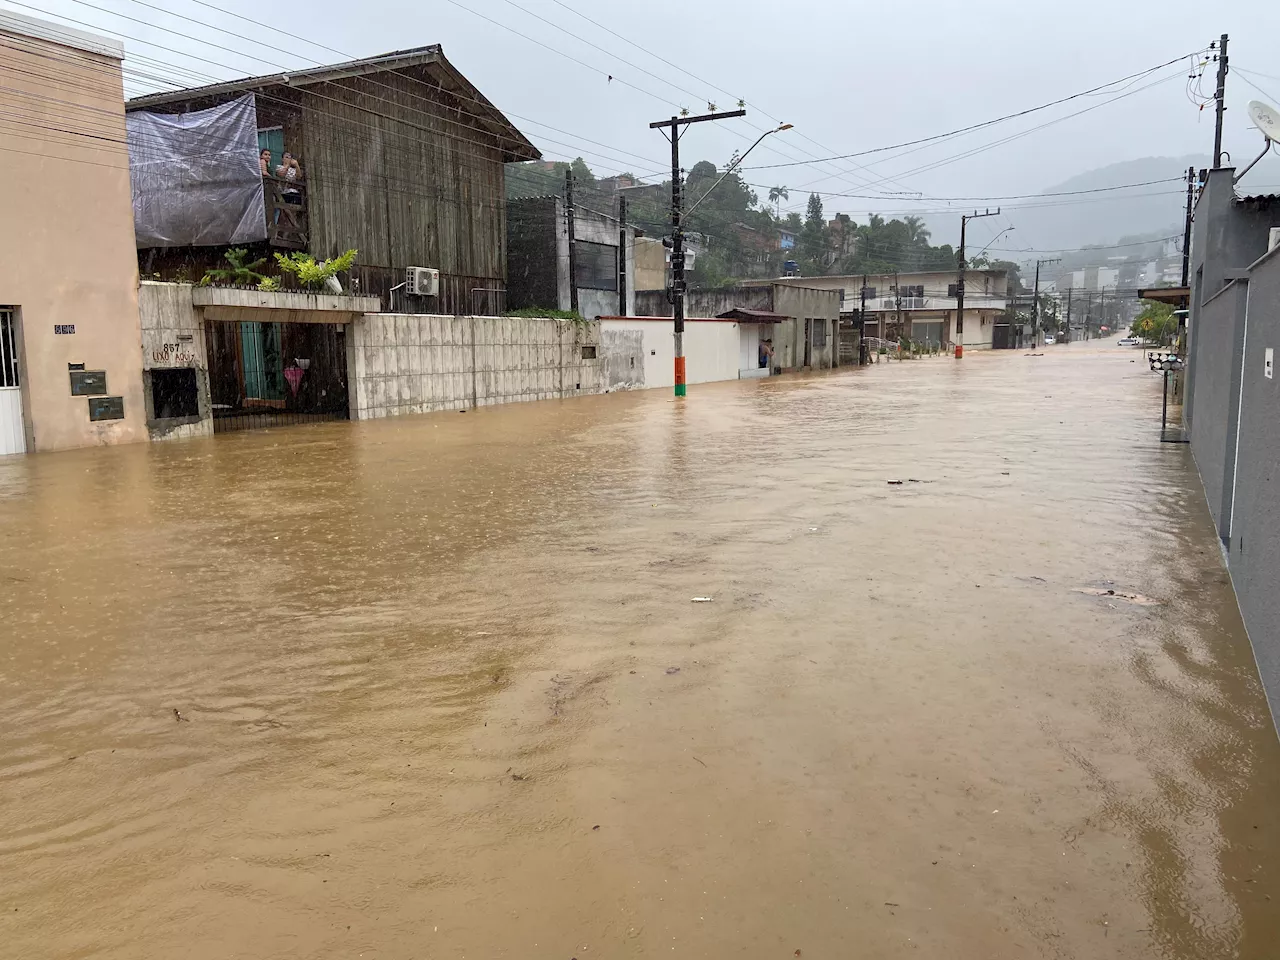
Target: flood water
point(436, 686)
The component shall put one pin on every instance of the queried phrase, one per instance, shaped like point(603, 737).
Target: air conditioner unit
point(422, 281)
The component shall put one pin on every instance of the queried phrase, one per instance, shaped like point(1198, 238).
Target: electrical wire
point(989, 123)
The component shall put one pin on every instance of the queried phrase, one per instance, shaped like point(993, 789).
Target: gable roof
point(514, 143)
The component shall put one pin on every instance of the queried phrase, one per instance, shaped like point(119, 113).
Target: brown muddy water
point(441, 690)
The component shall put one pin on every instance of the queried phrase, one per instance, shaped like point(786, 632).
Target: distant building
point(786, 240)
point(922, 305)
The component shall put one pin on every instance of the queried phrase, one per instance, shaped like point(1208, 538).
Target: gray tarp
point(196, 179)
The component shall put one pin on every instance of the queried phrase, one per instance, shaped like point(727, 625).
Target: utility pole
point(1035, 304)
point(677, 231)
point(897, 303)
point(1221, 96)
point(573, 252)
point(622, 256)
point(1068, 329)
point(862, 314)
point(964, 223)
point(1186, 233)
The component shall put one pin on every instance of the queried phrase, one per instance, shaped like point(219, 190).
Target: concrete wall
point(1254, 544)
point(1219, 334)
point(67, 243)
point(407, 364)
point(173, 336)
point(640, 353)
point(1232, 409)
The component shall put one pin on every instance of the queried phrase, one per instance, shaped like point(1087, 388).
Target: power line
point(988, 123)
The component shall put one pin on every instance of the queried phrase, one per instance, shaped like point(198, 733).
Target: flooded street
point(435, 686)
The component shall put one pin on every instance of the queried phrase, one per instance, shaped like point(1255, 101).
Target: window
point(819, 332)
point(986, 285)
point(953, 290)
point(869, 292)
point(174, 393)
point(597, 266)
point(588, 351)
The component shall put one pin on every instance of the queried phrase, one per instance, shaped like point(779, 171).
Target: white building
point(922, 305)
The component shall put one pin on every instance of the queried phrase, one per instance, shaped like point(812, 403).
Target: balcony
point(285, 202)
point(972, 301)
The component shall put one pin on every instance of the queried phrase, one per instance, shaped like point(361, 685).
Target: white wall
point(712, 349)
point(173, 336)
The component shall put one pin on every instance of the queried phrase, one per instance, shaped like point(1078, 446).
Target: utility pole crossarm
point(682, 121)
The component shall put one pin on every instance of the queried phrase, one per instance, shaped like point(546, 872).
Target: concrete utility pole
point(1186, 233)
point(677, 231)
point(1068, 326)
point(897, 303)
point(622, 256)
point(1221, 96)
point(964, 223)
point(862, 313)
point(1035, 303)
point(573, 252)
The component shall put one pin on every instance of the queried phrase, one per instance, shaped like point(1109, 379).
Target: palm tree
point(776, 196)
point(917, 233)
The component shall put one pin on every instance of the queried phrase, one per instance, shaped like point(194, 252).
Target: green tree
point(813, 236)
point(1156, 323)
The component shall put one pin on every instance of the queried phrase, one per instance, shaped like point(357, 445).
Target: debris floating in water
point(702, 600)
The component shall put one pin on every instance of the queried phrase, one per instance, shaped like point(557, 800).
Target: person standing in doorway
point(766, 354)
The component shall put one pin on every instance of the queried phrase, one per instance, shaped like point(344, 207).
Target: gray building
point(538, 261)
point(1232, 406)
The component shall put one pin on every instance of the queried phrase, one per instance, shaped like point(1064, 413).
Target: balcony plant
point(313, 275)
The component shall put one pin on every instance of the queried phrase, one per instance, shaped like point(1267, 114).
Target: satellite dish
point(1266, 118)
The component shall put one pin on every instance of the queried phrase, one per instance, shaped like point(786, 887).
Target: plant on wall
point(311, 274)
point(240, 273)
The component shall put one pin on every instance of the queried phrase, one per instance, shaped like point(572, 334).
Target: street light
point(994, 239)
point(734, 166)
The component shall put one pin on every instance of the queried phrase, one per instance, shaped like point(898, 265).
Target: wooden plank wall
point(394, 172)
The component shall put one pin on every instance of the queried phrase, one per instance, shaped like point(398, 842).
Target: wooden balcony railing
point(286, 206)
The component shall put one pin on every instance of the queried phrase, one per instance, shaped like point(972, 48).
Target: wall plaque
point(88, 383)
point(106, 408)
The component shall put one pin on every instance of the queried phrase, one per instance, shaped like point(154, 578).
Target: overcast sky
point(850, 76)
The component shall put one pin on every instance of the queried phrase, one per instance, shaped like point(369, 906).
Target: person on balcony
point(264, 162)
point(290, 172)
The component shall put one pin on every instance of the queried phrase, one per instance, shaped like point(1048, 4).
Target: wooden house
point(400, 157)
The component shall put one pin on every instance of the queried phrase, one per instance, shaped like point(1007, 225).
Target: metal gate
point(12, 436)
point(264, 374)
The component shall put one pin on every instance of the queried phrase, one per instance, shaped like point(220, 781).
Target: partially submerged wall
point(410, 363)
point(173, 339)
point(1253, 547)
point(640, 353)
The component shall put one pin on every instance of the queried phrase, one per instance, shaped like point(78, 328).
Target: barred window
point(819, 332)
point(597, 265)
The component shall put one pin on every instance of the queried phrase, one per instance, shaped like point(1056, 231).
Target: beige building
point(922, 305)
point(70, 341)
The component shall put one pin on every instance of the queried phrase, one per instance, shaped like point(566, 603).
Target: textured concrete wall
point(173, 336)
point(407, 364)
point(1218, 335)
point(1254, 548)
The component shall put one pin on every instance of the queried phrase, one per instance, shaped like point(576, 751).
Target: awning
point(751, 316)
point(1177, 296)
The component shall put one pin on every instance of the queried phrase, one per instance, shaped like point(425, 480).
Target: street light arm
point(734, 166)
point(993, 240)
